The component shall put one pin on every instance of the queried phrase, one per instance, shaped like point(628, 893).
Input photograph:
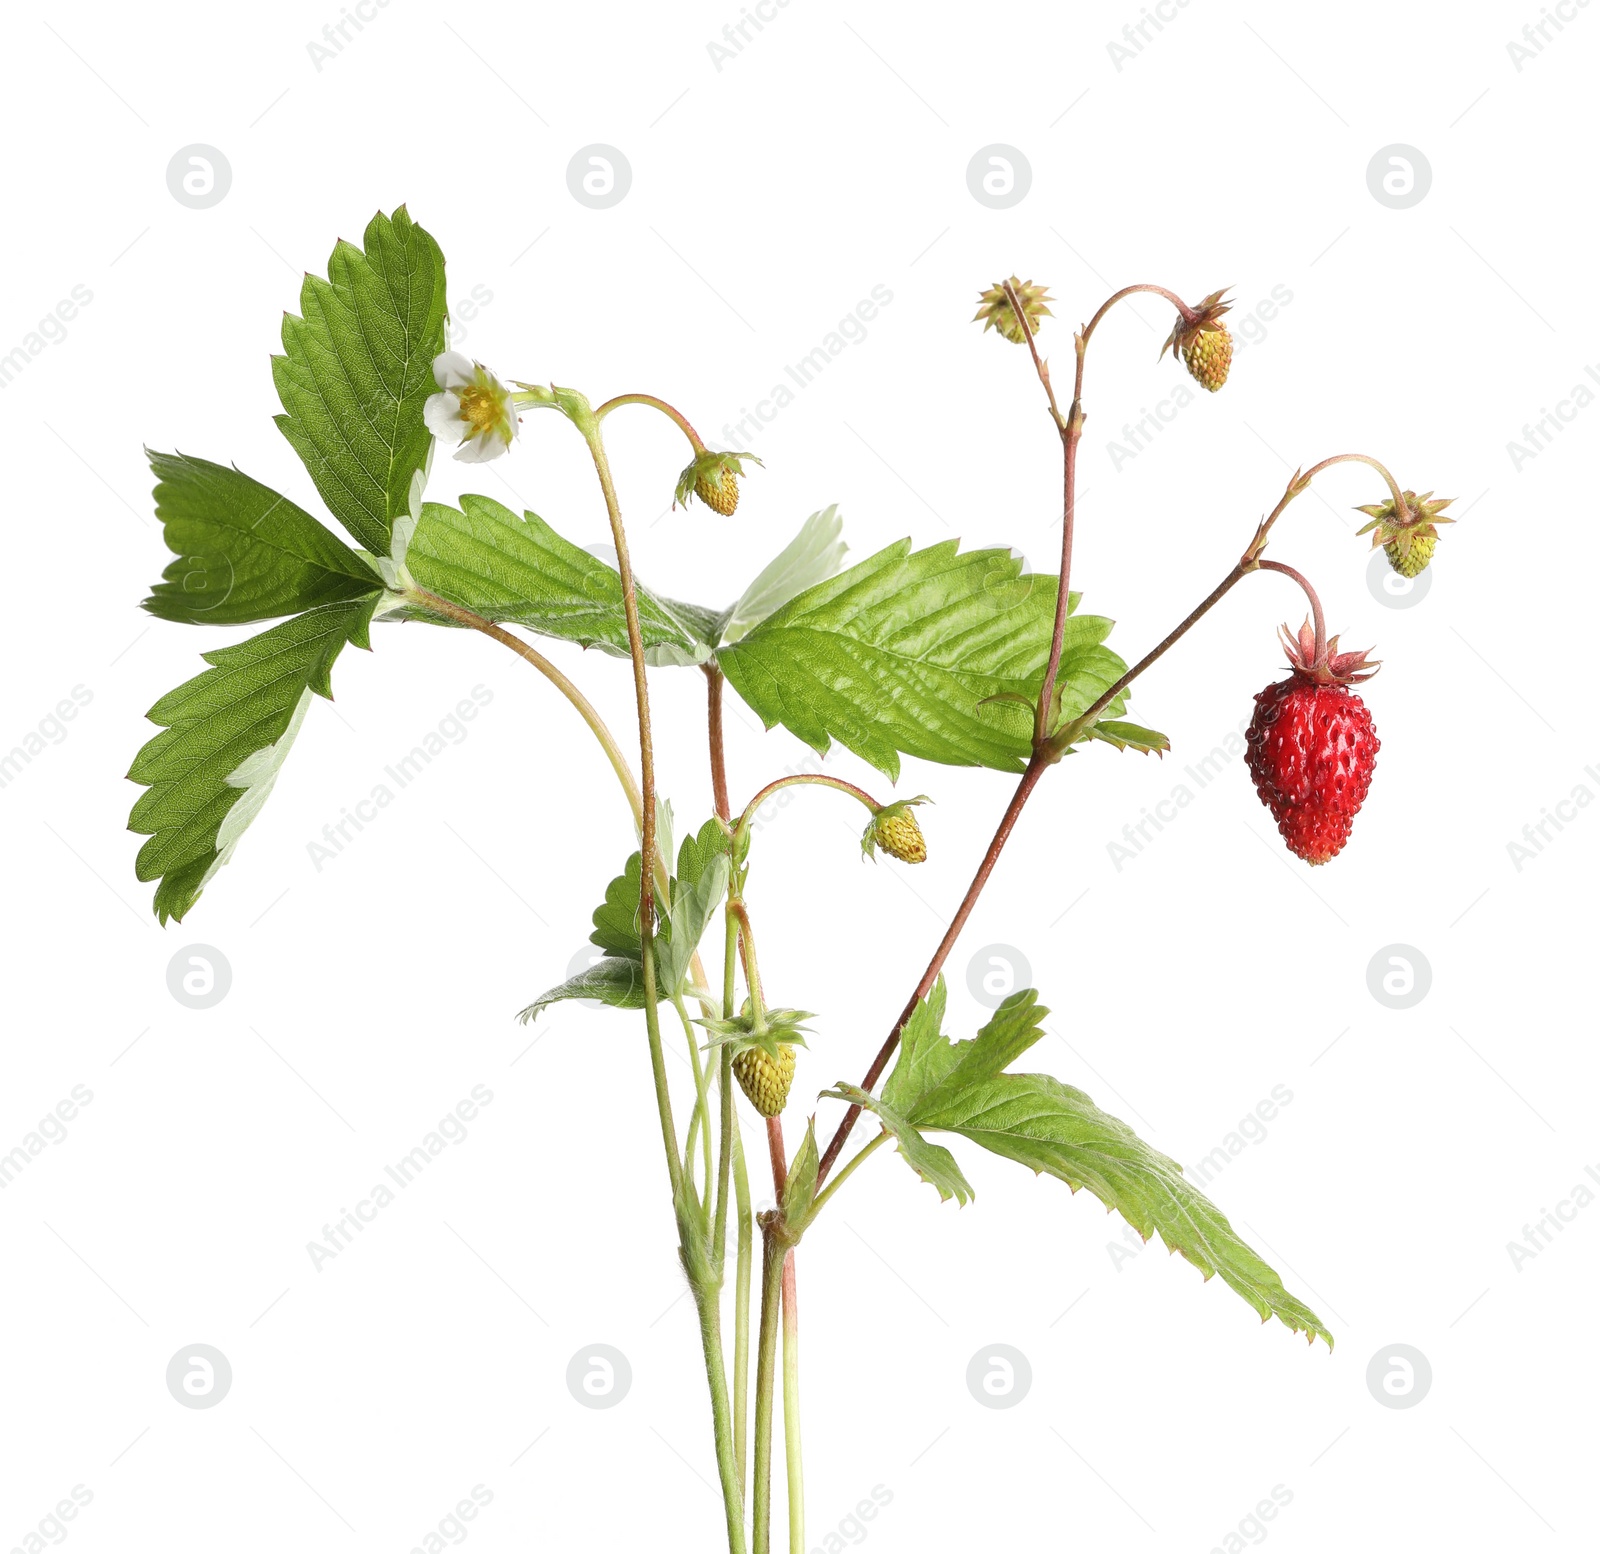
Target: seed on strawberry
point(765, 1079)
point(1311, 747)
point(720, 496)
point(1208, 356)
point(1202, 340)
point(901, 837)
point(1408, 563)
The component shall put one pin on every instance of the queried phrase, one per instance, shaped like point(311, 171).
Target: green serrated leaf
point(224, 737)
point(699, 850)
point(904, 652)
point(615, 980)
point(356, 369)
point(932, 1162)
point(244, 552)
point(940, 1086)
point(519, 571)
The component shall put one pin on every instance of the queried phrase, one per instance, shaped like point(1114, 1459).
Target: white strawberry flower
point(474, 410)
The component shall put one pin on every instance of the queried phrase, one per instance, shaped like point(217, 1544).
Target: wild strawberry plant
point(928, 653)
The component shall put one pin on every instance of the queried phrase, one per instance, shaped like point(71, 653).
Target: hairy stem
point(728, 1463)
point(741, 1307)
point(677, 417)
point(1318, 623)
point(791, 1409)
point(719, 771)
point(772, 1255)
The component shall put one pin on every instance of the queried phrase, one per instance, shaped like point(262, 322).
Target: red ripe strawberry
point(1311, 746)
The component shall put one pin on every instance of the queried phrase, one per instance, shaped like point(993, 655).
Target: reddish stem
point(1316, 605)
point(780, 1159)
point(719, 771)
point(1036, 769)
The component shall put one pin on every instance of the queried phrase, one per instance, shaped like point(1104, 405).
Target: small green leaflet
point(356, 369)
point(617, 978)
point(906, 651)
point(614, 980)
point(224, 736)
point(800, 1186)
point(519, 571)
point(244, 552)
point(1129, 736)
point(962, 1087)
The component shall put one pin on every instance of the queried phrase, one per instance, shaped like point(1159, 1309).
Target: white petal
point(479, 450)
point(451, 369)
point(441, 414)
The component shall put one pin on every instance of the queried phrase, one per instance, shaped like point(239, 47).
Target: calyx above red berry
point(1330, 666)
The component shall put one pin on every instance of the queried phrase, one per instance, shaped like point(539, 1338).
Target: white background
point(769, 196)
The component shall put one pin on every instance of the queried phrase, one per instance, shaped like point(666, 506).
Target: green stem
point(772, 1259)
point(728, 1464)
point(791, 1409)
point(859, 794)
point(844, 1174)
point(741, 1308)
point(702, 1110)
point(677, 417)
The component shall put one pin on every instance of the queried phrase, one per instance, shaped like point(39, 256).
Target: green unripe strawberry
point(765, 1079)
point(1208, 356)
point(1410, 562)
point(900, 836)
point(721, 496)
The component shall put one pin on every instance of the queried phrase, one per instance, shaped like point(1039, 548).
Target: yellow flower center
point(480, 409)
